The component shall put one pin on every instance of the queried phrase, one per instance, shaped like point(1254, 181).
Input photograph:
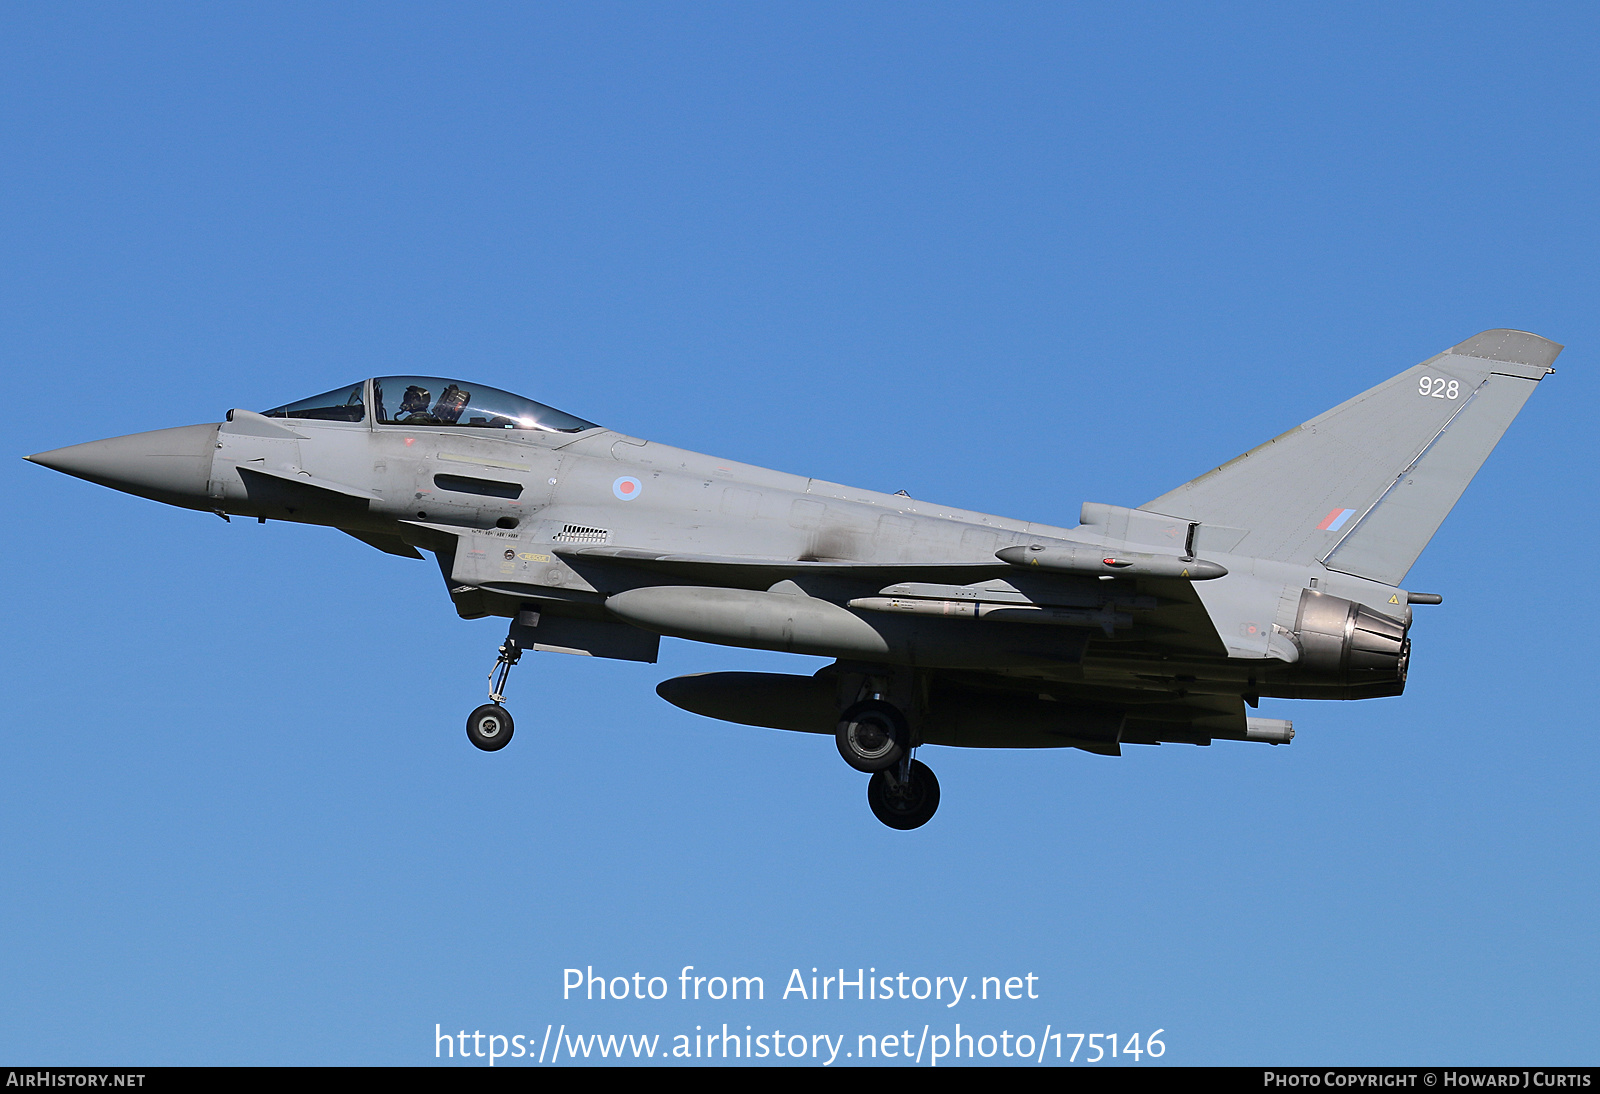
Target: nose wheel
point(490, 726)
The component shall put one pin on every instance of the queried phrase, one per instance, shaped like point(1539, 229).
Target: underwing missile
point(1088, 559)
point(1105, 618)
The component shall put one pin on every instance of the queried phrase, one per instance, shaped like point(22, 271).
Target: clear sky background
point(1008, 257)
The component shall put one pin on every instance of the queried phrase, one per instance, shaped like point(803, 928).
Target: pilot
point(448, 409)
point(415, 404)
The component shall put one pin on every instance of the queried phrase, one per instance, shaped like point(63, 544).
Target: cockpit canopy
point(422, 401)
point(427, 400)
point(341, 405)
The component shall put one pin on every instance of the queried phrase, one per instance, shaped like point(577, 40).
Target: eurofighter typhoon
point(1277, 574)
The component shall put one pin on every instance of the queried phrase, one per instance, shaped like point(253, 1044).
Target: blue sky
point(1007, 257)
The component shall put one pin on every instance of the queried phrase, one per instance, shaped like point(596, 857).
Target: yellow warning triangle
point(1394, 599)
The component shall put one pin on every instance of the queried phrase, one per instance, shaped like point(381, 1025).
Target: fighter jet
point(1277, 574)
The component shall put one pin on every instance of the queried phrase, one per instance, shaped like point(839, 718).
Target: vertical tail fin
point(1364, 486)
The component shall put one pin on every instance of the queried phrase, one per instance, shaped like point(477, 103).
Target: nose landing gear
point(490, 726)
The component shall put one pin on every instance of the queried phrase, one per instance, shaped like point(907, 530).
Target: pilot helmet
point(416, 400)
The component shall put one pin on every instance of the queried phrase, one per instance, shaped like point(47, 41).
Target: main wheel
point(904, 805)
point(489, 727)
point(872, 735)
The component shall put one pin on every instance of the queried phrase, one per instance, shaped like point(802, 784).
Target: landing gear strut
point(490, 726)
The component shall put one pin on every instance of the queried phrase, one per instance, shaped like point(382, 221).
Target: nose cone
point(170, 465)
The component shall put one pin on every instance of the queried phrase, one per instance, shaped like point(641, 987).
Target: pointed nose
point(170, 465)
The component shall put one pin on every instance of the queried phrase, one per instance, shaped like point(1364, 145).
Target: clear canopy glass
point(431, 401)
point(340, 405)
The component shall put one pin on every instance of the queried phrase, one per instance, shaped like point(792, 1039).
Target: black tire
point(872, 735)
point(490, 727)
point(905, 805)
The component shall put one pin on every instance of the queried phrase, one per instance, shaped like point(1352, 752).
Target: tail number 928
point(1437, 387)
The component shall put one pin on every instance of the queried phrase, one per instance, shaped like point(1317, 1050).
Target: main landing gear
point(874, 736)
point(905, 796)
point(490, 726)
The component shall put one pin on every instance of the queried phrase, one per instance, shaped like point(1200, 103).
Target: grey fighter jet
point(1277, 574)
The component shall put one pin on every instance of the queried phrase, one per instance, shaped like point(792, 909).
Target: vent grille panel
point(577, 533)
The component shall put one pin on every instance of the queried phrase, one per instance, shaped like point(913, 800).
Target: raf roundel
point(627, 488)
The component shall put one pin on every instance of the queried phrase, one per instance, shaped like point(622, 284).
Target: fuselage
point(1274, 574)
point(523, 517)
